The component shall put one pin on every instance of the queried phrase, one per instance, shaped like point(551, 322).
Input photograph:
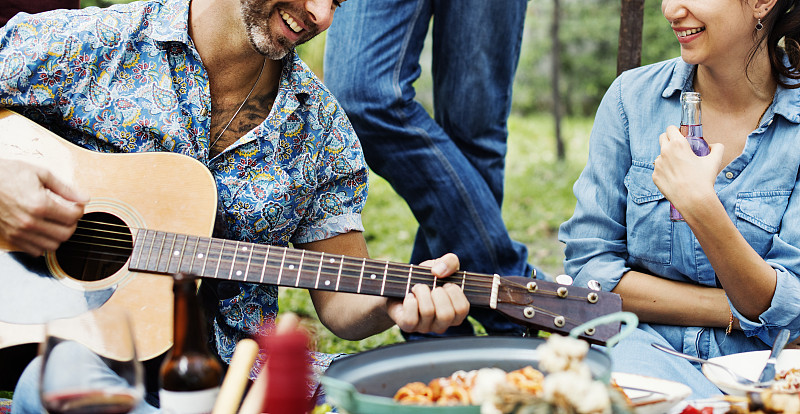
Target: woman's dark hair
point(782, 22)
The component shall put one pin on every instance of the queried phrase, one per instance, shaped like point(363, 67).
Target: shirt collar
point(171, 21)
point(786, 102)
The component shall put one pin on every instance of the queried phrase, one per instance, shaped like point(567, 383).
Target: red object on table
point(288, 374)
point(691, 410)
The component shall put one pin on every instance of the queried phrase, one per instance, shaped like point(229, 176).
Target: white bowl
point(651, 395)
point(748, 365)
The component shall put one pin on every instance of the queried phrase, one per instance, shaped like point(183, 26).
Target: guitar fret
point(463, 280)
point(140, 244)
point(158, 251)
point(198, 257)
point(264, 265)
point(408, 280)
point(150, 252)
point(205, 258)
point(385, 270)
point(325, 269)
point(299, 268)
point(361, 274)
point(137, 251)
point(247, 268)
point(179, 254)
point(319, 269)
point(233, 260)
point(433, 287)
point(219, 258)
point(165, 268)
point(339, 273)
point(193, 255)
point(280, 272)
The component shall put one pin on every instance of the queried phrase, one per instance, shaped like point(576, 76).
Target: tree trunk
point(560, 151)
point(629, 51)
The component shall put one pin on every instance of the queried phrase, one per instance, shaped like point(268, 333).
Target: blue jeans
point(449, 169)
point(26, 393)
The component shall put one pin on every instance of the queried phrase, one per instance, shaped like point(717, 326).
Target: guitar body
point(163, 191)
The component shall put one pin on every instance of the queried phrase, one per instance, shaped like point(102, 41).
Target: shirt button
point(729, 175)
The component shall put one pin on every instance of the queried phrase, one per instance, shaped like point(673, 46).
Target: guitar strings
point(417, 274)
point(226, 257)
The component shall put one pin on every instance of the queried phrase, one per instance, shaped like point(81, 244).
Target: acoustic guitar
point(151, 214)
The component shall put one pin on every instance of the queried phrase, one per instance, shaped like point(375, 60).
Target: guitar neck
point(168, 253)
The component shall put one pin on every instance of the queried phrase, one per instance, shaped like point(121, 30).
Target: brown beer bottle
point(190, 375)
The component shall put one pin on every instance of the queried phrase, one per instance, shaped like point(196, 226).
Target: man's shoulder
point(108, 25)
point(308, 87)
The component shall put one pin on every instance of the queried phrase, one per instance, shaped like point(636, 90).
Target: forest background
point(538, 196)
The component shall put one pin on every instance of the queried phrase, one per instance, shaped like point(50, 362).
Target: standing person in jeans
point(448, 168)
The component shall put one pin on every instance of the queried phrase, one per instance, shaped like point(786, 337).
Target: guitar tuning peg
point(564, 280)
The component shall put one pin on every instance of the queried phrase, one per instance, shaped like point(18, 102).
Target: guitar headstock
point(553, 307)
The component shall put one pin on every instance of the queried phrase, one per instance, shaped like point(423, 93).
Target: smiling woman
point(721, 282)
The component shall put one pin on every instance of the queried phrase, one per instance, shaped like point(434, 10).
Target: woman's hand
point(684, 178)
point(425, 310)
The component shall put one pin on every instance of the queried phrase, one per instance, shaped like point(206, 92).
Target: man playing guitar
point(219, 81)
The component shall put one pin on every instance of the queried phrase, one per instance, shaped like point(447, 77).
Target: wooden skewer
point(230, 394)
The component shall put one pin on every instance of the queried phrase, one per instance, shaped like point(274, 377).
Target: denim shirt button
point(729, 175)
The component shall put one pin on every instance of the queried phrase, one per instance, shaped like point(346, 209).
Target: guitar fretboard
point(168, 253)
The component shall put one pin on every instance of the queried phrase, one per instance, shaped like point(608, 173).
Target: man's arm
point(355, 317)
point(37, 210)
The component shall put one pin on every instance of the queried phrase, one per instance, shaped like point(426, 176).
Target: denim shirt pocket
point(759, 215)
point(649, 229)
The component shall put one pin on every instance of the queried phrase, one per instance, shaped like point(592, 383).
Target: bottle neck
point(690, 114)
point(189, 325)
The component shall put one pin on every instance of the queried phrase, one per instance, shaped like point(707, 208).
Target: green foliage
point(538, 199)
point(589, 37)
point(102, 3)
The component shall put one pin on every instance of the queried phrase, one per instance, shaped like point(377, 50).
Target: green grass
point(538, 199)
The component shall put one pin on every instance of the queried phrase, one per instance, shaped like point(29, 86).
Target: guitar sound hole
point(100, 247)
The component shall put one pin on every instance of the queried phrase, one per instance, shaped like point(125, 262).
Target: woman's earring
point(759, 26)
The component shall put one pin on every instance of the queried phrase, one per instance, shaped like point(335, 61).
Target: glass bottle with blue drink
point(692, 129)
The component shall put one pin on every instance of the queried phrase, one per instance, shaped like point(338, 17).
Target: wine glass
point(89, 364)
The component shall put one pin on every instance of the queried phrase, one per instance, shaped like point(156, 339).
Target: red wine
point(89, 402)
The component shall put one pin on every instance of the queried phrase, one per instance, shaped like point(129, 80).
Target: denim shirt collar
point(786, 101)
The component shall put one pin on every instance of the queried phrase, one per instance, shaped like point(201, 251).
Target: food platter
point(748, 365)
point(366, 382)
point(651, 395)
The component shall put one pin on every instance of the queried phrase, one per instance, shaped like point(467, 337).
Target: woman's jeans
point(449, 168)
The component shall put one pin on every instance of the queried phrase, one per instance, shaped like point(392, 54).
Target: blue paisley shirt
point(129, 79)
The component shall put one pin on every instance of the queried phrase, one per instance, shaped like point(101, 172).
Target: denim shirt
point(621, 220)
point(128, 78)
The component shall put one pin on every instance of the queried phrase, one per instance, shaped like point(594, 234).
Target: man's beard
point(262, 37)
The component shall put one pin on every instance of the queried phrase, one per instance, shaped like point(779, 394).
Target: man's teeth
point(290, 22)
point(691, 31)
